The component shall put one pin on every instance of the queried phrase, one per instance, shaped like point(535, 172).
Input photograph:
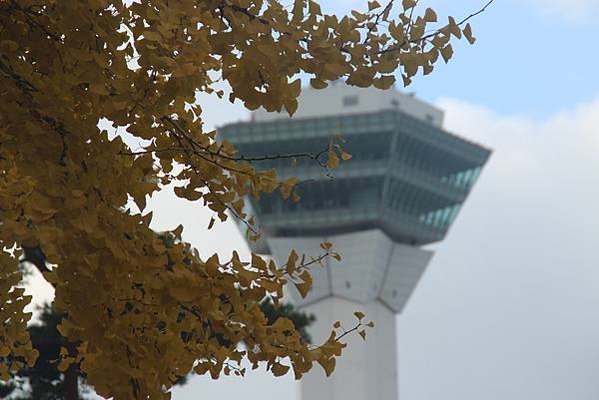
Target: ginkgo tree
point(140, 313)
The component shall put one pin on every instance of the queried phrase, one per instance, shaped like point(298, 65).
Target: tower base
point(376, 276)
point(366, 370)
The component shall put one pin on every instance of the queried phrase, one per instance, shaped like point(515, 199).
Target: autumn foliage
point(143, 314)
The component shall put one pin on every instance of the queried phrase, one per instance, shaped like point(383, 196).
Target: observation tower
point(402, 190)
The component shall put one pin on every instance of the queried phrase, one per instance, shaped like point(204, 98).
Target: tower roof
point(341, 99)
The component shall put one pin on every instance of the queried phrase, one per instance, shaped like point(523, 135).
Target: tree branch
point(436, 32)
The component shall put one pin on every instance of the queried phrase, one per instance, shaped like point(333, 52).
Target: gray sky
point(508, 308)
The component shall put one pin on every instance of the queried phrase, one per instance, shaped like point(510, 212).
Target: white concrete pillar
point(376, 276)
point(367, 369)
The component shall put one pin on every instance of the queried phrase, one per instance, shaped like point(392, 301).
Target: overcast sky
point(508, 308)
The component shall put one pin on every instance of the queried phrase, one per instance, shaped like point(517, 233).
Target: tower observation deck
point(402, 189)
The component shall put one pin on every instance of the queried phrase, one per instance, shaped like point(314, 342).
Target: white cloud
point(557, 146)
point(506, 308)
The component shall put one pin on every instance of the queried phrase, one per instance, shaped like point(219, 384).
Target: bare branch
point(482, 10)
point(354, 329)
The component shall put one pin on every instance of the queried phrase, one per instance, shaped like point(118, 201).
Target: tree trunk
point(71, 384)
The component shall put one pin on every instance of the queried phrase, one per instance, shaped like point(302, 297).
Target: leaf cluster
point(68, 189)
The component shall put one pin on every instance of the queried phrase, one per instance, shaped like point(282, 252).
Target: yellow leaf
point(9, 45)
point(363, 334)
point(384, 82)
point(440, 40)
point(287, 186)
point(4, 373)
point(333, 159)
point(51, 277)
point(318, 83)
point(258, 262)
point(430, 15)
point(291, 106)
point(202, 368)
point(360, 315)
point(397, 32)
point(326, 246)
point(454, 28)
point(143, 298)
point(295, 88)
point(64, 364)
point(98, 88)
point(152, 36)
point(407, 4)
point(314, 8)
point(373, 5)
point(447, 52)
point(292, 259)
point(361, 77)
point(417, 29)
point(183, 293)
point(359, 16)
point(304, 287)
point(279, 369)
point(468, 34)
point(328, 365)
point(178, 231)
point(211, 223)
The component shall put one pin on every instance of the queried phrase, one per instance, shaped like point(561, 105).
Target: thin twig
point(355, 328)
point(376, 21)
point(476, 13)
point(434, 33)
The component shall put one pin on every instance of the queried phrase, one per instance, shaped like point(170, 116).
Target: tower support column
point(376, 276)
point(366, 370)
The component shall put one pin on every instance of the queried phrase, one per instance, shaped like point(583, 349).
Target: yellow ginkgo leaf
point(447, 52)
point(468, 34)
